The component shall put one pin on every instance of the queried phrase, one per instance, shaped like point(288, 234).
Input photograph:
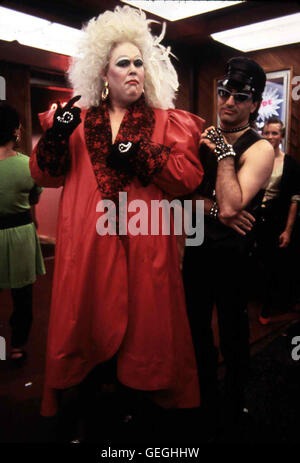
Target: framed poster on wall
point(276, 101)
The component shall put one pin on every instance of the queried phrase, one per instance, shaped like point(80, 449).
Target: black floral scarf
point(137, 126)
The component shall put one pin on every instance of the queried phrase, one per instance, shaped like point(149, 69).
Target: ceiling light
point(265, 34)
point(178, 9)
point(38, 33)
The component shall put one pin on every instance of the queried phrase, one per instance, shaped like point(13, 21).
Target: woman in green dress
point(20, 253)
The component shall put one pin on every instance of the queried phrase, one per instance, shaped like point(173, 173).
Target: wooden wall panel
point(282, 58)
point(211, 65)
point(17, 79)
point(186, 73)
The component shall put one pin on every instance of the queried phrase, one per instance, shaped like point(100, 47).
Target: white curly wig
point(101, 34)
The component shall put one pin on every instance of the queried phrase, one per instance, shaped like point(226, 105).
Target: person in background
point(237, 164)
point(118, 298)
point(278, 214)
point(21, 258)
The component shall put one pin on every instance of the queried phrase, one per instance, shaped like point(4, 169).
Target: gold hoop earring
point(105, 91)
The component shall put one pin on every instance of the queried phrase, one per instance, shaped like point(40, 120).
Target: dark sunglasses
point(238, 97)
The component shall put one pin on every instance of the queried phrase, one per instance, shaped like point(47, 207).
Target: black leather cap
point(244, 74)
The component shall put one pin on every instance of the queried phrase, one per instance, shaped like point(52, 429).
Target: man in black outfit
point(237, 163)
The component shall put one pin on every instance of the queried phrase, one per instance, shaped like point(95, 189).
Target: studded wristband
point(214, 211)
point(222, 149)
point(227, 151)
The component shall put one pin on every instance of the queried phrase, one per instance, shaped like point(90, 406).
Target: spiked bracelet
point(226, 151)
point(214, 211)
point(222, 149)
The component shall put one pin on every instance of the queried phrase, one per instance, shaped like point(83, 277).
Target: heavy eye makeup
point(124, 62)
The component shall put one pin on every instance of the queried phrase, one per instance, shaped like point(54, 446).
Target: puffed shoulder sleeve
point(50, 159)
point(183, 172)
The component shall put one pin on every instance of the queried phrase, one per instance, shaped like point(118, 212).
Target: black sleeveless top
point(214, 229)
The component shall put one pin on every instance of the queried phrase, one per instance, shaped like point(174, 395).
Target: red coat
point(123, 296)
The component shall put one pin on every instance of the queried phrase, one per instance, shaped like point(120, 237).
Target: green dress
point(21, 258)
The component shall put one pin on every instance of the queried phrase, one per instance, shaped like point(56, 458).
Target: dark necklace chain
point(238, 129)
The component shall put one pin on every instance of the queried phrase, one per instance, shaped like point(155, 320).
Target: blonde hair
point(101, 34)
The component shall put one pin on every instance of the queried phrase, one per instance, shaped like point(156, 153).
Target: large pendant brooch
point(124, 147)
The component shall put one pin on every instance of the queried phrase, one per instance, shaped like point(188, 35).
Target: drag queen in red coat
point(119, 295)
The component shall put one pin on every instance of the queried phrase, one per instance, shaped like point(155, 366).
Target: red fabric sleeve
point(48, 163)
point(183, 171)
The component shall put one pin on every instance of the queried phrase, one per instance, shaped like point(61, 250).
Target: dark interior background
point(201, 60)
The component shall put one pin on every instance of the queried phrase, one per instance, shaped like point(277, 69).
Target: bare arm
point(285, 237)
point(241, 223)
point(234, 190)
